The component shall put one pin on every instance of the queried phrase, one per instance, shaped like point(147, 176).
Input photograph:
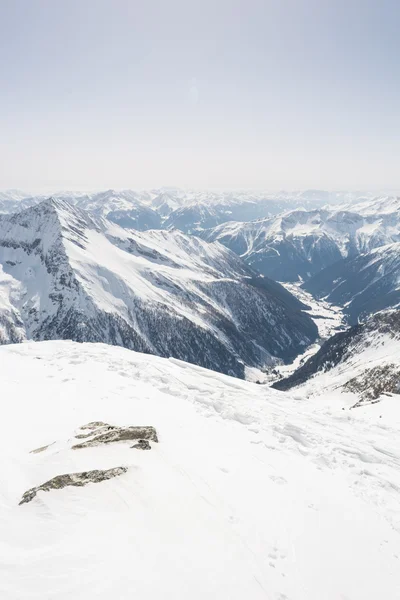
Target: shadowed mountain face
point(299, 244)
point(66, 275)
point(363, 285)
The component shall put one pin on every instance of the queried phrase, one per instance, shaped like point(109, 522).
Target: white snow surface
point(327, 317)
point(250, 493)
point(376, 349)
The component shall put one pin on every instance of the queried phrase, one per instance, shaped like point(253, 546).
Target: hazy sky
point(205, 93)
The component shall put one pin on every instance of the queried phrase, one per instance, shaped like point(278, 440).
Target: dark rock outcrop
point(72, 479)
point(102, 433)
point(142, 445)
point(375, 382)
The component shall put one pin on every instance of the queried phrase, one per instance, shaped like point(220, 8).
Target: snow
point(377, 349)
point(250, 493)
point(327, 317)
point(339, 231)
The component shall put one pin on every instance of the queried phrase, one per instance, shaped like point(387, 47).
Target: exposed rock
point(41, 449)
point(107, 434)
point(372, 383)
point(142, 445)
point(94, 427)
point(74, 479)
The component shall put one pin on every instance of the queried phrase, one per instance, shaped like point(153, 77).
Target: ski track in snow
point(251, 493)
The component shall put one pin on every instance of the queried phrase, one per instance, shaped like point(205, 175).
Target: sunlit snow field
point(250, 492)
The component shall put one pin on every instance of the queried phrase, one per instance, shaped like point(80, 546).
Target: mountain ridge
point(159, 292)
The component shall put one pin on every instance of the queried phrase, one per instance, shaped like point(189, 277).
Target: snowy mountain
point(362, 285)
point(198, 213)
point(299, 244)
point(377, 205)
point(189, 211)
point(67, 276)
point(363, 361)
point(126, 208)
point(248, 492)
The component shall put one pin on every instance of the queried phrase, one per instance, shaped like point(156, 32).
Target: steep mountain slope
point(364, 360)
point(248, 493)
point(362, 285)
point(66, 276)
point(299, 244)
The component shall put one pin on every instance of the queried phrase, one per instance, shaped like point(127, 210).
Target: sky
point(265, 94)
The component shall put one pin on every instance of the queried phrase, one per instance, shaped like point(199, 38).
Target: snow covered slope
point(248, 493)
point(363, 360)
point(66, 276)
point(378, 205)
point(362, 285)
point(300, 243)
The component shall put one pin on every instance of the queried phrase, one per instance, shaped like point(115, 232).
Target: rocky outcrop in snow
point(102, 433)
point(373, 383)
point(72, 479)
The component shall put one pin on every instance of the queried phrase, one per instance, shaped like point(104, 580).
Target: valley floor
point(328, 318)
point(250, 492)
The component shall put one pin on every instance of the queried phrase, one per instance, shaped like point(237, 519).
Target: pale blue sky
point(211, 93)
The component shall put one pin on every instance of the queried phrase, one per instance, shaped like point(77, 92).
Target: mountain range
point(189, 211)
point(117, 267)
point(298, 244)
point(68, 275)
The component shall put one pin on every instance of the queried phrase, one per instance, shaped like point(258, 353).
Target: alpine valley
point(68, 275)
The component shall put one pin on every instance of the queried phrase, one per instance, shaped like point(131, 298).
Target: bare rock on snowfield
point(41, 449)
point(74, 479)
point(142, 445)
point(373, 383)
point(107, 434)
